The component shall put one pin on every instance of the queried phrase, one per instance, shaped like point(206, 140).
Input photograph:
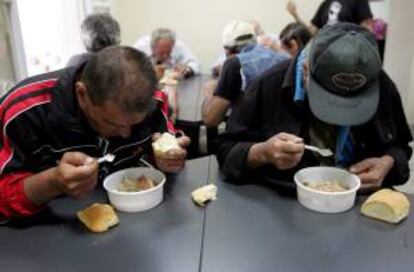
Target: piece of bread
point(175, 75)
point(164, 144)
point(386, 205)
point(98, 217)
point(169, 81)
point(204, 194)
point(136, 185)
point(145, 183)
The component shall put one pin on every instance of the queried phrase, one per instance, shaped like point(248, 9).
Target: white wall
point(380, 9)
point(200, 23)
point(399, 53)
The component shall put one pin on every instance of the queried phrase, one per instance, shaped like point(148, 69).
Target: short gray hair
point(162, 33)
point(123, 75)
point(100, 30)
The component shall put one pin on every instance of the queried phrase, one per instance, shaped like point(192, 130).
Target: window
point(51, 33)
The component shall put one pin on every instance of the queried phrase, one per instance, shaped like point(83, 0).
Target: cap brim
point(343, 111)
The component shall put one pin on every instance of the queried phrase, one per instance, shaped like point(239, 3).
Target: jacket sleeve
point(400, 149)
point(241, 134)
point(187, 57)
point(164, 123)
point(13, 200)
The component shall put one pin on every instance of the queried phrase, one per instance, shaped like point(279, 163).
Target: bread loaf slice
point(98, 217)
point(164, 144)
point(204, 194)
point(386, 205)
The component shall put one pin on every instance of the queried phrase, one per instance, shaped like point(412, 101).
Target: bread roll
point(98, 217)
point(145, 183)
point(204, 194)
point(386, 205)
point(164, 144)
point(168, 81)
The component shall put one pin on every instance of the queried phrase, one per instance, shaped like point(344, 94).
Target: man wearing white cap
point(246, 60)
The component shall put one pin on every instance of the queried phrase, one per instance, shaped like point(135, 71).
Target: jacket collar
point(65, 110)
point(290, 75)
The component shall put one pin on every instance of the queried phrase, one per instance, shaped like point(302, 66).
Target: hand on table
point(174, 160)
point(372, 171)
point(76, 174)
point(183, 71)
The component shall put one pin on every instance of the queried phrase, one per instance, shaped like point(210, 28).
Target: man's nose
point(165, 56)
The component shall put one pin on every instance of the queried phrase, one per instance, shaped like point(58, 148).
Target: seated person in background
point(218, 65)
point(55, 125)
point(294, 37)
point(333, 95)
point(246, 61)
point(333, 11)
point(98, 31)
point(168, 52)
point(268, 40)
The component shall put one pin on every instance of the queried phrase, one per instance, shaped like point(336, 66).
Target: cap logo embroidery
point(349, 81)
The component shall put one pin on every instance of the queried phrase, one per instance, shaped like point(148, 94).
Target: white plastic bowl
point(135, 201)
point(326, 202)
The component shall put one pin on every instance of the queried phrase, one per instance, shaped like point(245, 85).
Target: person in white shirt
point(168, 52)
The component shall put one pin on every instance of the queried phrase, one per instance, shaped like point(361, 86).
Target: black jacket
point(267, 108)
point(41, 120)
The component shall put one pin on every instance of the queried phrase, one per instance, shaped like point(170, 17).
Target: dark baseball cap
point(344, 63)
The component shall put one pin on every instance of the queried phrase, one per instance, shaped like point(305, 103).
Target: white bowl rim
point(300, 184)
point(113, 191)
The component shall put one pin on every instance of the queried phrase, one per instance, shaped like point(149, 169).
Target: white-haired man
point(168, 52)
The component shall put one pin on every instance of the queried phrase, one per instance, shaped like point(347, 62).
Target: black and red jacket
point(40, 120)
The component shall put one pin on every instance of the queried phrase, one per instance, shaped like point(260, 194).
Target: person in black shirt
point(334, 11)
point(328, 97)
point(246, 60)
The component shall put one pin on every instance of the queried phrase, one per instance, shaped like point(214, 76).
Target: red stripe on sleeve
point(163, 98)
point(27, 89)
point(13, 200)
point(6, 152)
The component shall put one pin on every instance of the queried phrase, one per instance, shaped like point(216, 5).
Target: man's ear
point(81, 93)
point(293, 47)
